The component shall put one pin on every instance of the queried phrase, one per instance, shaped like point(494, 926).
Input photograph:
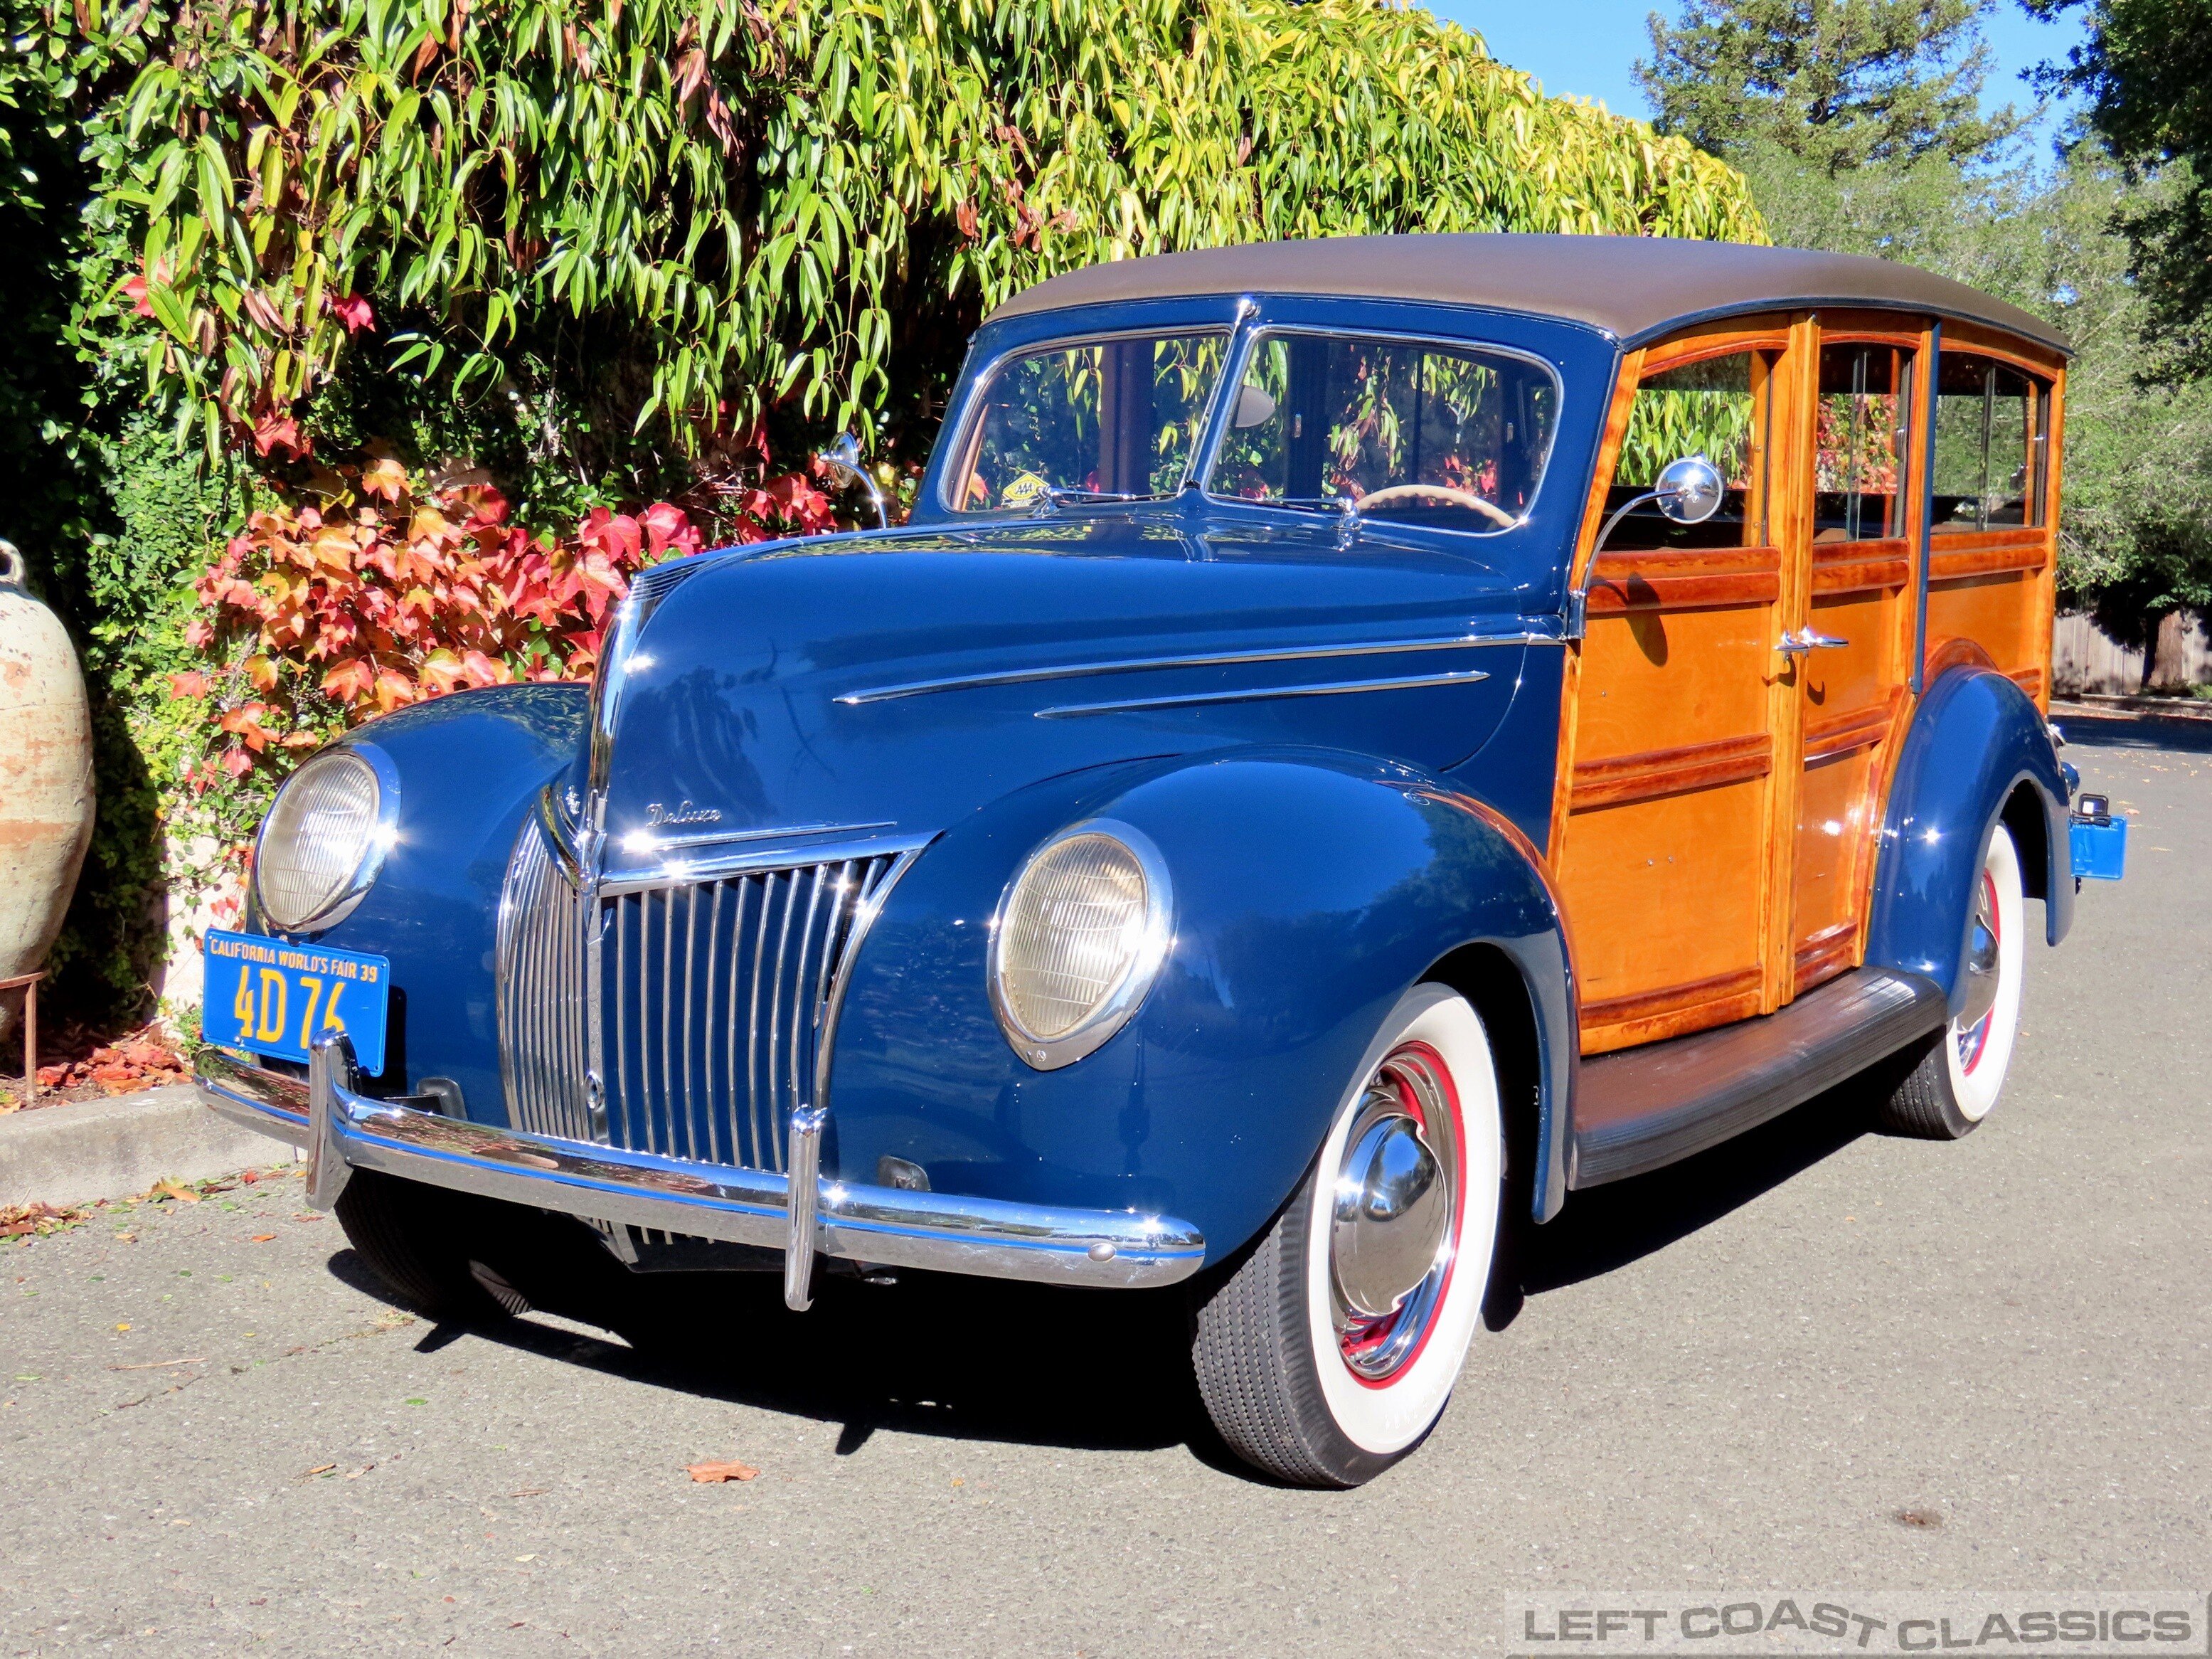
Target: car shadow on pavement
point(1610, 1226)
point(973, 1359)
point(995, 1360)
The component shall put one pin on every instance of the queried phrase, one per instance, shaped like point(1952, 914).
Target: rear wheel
point(1956, 1083)
point(1330, 1352)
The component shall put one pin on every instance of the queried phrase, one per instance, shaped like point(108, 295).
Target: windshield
point(1453, 437)
point(1101, 420)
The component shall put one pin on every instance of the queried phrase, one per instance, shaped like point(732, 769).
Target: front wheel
point(1330, 1352)
point(1951, 1089)
point(428, 1246)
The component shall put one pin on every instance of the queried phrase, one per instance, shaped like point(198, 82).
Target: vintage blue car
point(1358, 739)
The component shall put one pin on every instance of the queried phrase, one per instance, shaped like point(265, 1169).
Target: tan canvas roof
point(1634, 287)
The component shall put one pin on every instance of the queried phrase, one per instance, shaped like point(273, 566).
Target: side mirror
point(843, 458)
point(1691, 490)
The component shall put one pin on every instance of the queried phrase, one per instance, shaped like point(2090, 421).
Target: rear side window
point(1992, 444)
point(1452, 438)
point(1862, 440)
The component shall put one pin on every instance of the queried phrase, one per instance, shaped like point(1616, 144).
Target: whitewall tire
point(1958, 1081)
point(1332, 1349)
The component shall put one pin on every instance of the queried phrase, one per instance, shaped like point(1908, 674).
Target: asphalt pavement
point(1819, 1357)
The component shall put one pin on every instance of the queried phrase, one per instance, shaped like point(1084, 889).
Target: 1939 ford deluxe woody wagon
point(1360, 739)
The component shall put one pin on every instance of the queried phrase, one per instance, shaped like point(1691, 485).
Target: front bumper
point(344, 1130)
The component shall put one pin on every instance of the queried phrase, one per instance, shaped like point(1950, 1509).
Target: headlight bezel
point(383, 777)
point(1115, 1009)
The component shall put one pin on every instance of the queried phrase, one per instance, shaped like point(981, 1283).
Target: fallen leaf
point(707, 1475)
point(526, 1558)
point(182, 1194)
point(319, 1469)
point(157, 1364)
point(261, 1238)
point(123, 1326)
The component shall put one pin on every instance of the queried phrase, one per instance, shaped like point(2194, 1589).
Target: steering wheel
point(1406, 492)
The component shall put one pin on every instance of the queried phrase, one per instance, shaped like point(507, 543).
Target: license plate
point(271, 998)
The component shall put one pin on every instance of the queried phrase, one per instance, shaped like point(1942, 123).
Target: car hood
point(886, 685)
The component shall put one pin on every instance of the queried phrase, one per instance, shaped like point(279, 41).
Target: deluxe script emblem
point(658, 815)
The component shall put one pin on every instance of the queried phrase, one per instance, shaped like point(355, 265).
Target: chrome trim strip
point(767, 856)
point(643, 841)
point(1207, 660)
point(995, 1238)
point(1328, 689)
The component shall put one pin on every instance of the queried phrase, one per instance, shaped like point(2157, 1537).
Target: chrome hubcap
point(1394, 1223)
point(1982, 973)
point(1389, 1215)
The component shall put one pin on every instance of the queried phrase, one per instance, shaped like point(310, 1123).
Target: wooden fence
point(2086, 659)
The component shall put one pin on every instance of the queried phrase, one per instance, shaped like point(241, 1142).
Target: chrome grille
point(710, 997)
point(543, 997)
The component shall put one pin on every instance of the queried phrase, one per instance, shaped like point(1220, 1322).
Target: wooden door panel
point(1664, 846)
point(1663, 831)
point(1659, 677)
point(1668, 900)
point(1859, 674)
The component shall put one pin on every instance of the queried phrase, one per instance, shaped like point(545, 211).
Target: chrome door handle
point(1805, 639)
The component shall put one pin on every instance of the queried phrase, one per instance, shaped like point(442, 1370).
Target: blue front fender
point(1978, 752)
point(1311, 889)
point(470, 765)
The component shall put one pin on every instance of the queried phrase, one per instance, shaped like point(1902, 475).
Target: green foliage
point(1838, 84)
point(792, 201)
point(2147, 72)
point(1706, 409)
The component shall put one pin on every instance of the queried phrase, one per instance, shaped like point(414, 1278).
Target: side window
point(1455, 439)
point(1116, 418)
point(1992, 424)
point(1716, 407)
point(1862, 441)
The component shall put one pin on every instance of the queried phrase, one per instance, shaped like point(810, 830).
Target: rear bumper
point(344, 1130)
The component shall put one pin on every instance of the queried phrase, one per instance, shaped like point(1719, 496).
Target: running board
point(1645, 1108)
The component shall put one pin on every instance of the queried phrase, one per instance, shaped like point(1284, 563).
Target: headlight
point(1077, 939)
point(323, 840)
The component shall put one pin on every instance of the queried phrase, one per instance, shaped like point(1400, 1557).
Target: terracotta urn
point(45, 778)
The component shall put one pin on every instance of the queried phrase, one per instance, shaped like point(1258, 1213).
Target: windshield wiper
point(1059, 498)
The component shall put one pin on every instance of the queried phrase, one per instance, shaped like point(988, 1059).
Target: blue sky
point(1586, 47)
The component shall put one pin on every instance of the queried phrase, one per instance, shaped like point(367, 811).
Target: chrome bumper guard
point(344, 1130)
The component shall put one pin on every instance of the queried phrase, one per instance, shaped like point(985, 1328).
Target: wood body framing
point(1719, 803)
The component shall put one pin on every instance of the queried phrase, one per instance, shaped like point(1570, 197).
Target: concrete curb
point(82, 1150)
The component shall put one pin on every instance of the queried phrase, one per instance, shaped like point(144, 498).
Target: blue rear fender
point(1311, 889)
point(1978, 753)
